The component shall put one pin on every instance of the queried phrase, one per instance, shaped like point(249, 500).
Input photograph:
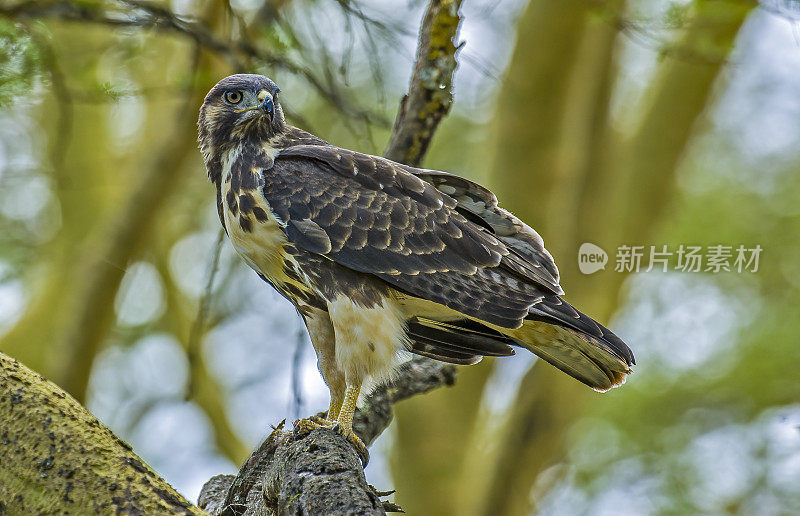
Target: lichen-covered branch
point(430, 93)
point(320, 472)
point(56, 457)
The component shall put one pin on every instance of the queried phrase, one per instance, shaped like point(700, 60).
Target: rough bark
point(319, 473)
point(56, 457)
point(430, 93)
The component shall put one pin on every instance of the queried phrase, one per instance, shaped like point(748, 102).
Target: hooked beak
point(266, 103)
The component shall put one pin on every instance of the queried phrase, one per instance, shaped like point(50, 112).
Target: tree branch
point(58, 458)
point(297, 474)
point(430, 93)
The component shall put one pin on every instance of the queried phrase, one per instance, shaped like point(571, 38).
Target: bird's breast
point(255, 232)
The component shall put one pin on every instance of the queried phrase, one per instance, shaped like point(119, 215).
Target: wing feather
point(527, 254)
point(381, 219)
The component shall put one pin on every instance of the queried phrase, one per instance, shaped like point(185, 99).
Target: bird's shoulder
point(368, 172)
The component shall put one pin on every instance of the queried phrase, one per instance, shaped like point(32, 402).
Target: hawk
point(379, 257)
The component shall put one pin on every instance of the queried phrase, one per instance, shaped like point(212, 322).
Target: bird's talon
point(322, 421)
point(361, 449)
point(303, 427)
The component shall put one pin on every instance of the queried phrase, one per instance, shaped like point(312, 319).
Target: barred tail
point(553, 330)
point(575, 343)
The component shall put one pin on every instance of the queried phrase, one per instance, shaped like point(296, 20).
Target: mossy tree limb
point(57, 457)
point(430, 93)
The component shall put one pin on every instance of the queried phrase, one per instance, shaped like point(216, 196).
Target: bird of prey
point(380, 257)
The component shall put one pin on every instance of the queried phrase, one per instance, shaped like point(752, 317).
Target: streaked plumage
point(378, 256)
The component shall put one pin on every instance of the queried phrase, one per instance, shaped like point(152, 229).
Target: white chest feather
point(368, 339)
point(259, 242)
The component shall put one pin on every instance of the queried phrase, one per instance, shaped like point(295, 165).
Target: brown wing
point(374, 216)
point(524, 251)
point(527, 254)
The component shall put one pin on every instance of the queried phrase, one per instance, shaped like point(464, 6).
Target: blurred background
point(615, 122)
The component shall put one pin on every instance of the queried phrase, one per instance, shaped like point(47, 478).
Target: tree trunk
point(617, 197)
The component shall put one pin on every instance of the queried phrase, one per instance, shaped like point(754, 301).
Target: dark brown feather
point(432, 252)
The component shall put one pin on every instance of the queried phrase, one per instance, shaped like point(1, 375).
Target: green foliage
point(20, 62)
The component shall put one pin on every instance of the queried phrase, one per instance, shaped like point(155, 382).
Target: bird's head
point(240, 107)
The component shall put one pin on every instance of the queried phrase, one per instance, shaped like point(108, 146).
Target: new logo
point(591, 258)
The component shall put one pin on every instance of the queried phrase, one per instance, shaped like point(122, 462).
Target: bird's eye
point(233, 97)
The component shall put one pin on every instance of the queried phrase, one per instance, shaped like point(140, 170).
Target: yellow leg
point(348, 408)
point(335, 407)
point(345, 420)
point(345, 407)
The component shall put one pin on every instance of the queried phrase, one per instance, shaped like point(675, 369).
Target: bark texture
point(430, 93)
point(320, 472)
point(56, 457)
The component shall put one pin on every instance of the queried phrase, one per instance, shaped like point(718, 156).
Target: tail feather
point(554, 330)
point(576, 344)
point(459, 342)
point(433, 349)
point(576, 354)
point(554, 310)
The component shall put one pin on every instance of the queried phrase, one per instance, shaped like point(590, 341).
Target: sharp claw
point(357, 443)
point(362, 451)
point(303, 427)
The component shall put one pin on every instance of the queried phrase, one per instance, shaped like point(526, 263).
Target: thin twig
point(198, 327)
point(147, 15)
point(642, 34)
point(297, 363)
